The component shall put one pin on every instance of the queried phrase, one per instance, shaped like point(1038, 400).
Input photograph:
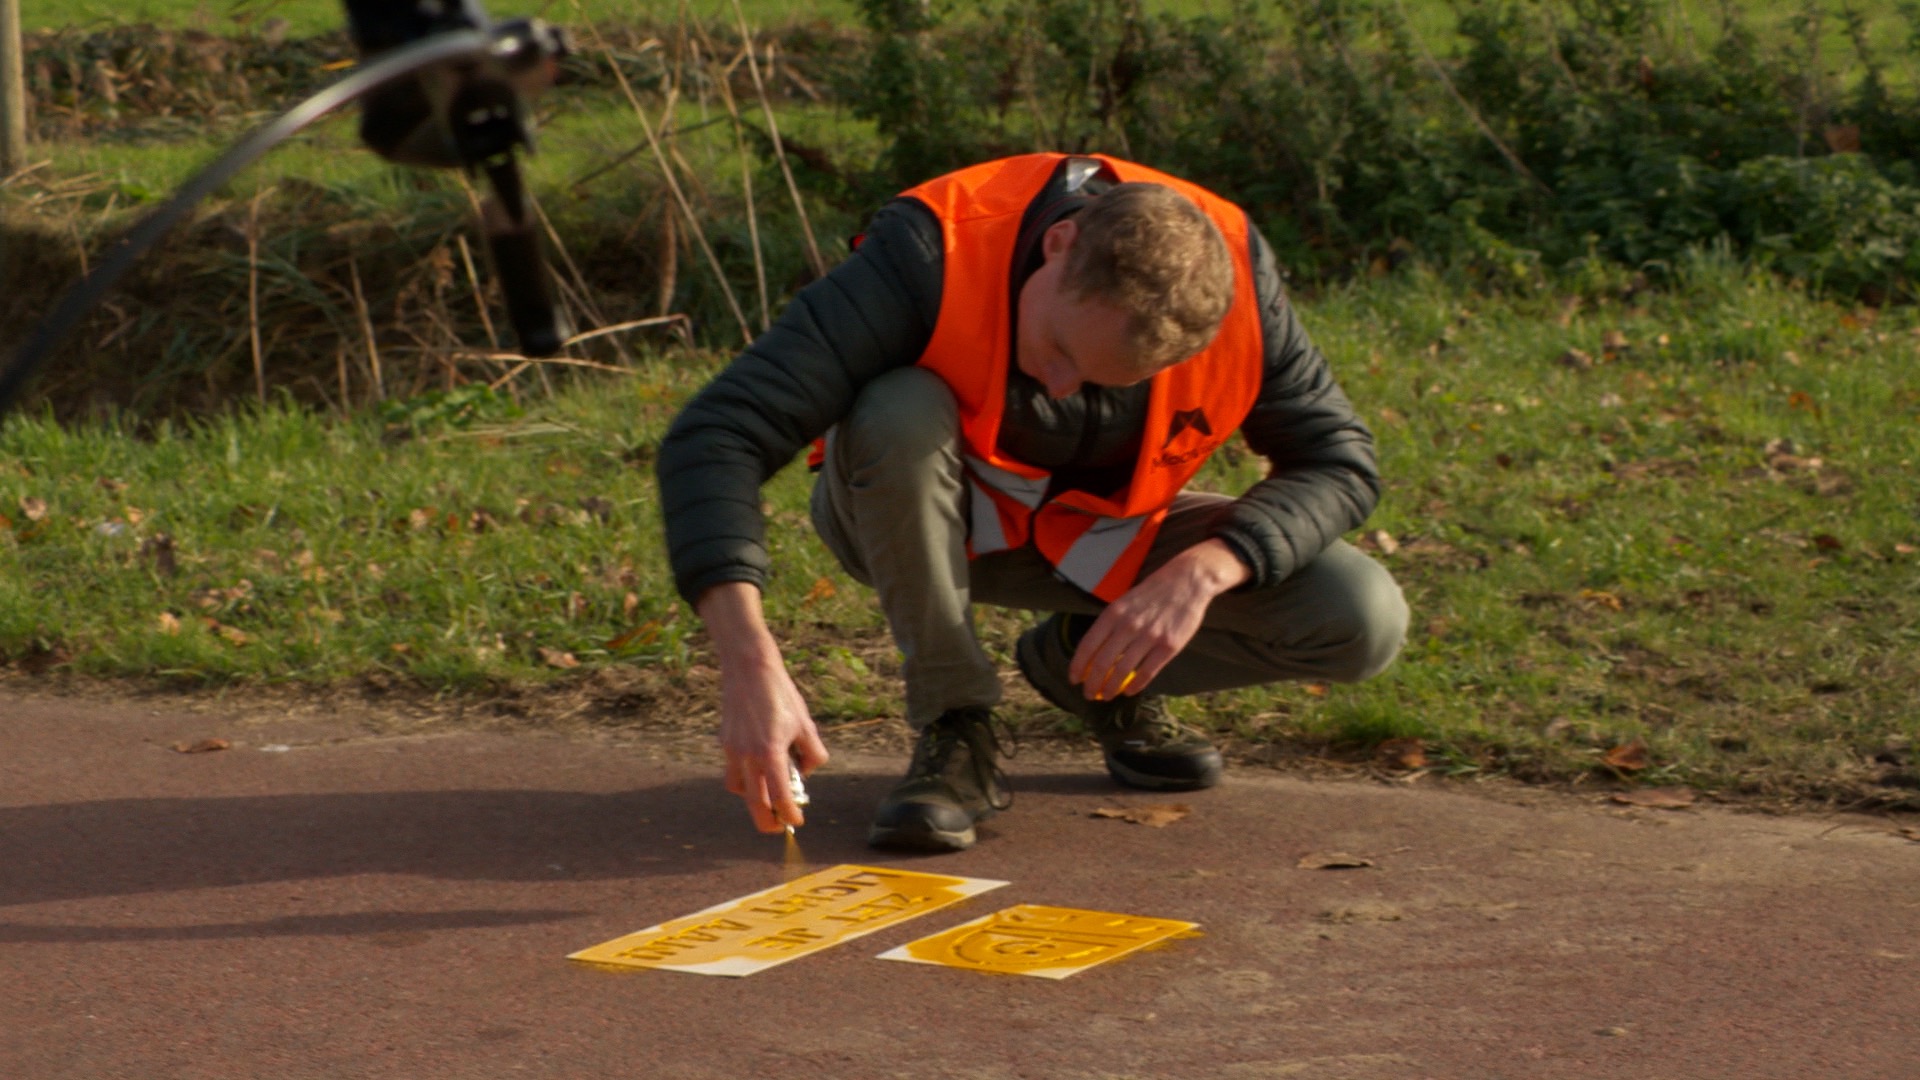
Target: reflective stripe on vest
point(991, 531)
point(1097, 543)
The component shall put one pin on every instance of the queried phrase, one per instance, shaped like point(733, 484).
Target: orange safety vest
point(1096, 543)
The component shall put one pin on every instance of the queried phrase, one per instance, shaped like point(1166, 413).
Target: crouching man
point(1016, 375)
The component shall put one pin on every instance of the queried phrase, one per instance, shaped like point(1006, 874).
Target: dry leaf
point(1614, 341)
point(1317, 689)
point(1577, 359)
point(643, 634)
point(1384, 540)
point(1827, 542)
point(232, 634)
point(1402, 754)
point(1905, 549)
point(1158, 816)
point(204, 746)
point(1908, 832)
point(557, 658)
point(169, 623)
point(1656, 798)
point(1333, 860)
point(35, 509)
point(629, 604)
point(1628, 756)
point(1600, 598)
point(822, 589)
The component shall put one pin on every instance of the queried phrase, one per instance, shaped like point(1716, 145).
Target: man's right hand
point(764, 722)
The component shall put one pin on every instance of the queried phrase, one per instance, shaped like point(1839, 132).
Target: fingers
point(762, 798)
point(784, 810)
point(809, 753)
point(761, 784)
point(1117, 657)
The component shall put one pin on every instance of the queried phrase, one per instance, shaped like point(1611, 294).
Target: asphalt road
point(319, 901)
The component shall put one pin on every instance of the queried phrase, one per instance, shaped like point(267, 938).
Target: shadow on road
point(117, 847)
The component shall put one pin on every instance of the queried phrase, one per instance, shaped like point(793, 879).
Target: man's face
point(1064, 341)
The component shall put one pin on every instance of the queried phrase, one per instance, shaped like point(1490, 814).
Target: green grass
point(1593, 556)
point(305, 17)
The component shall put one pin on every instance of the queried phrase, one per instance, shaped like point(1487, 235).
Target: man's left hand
point(1140, 633)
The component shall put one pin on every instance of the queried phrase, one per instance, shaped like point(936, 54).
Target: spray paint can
point(796, 789)
point(795, 786)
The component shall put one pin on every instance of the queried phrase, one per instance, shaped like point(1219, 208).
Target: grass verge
point(1658, 538)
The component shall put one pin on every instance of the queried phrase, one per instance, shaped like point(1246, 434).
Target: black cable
point(398, 64)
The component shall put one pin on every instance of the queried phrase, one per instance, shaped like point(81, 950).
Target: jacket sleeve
point(1322, 478)
point(873, 312)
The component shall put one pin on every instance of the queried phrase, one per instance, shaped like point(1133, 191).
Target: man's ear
point(1058, 239)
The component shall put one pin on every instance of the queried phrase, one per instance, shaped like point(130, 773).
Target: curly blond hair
point(1151, 252)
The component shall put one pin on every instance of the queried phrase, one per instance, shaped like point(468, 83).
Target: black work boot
point(1145, 744)
point(952, 782)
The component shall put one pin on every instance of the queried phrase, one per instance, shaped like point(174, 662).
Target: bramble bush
point(1551, 131)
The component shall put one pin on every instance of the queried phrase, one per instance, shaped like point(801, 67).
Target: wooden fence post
point(13, 91)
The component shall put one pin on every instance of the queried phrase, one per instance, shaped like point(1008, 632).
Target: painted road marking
point(1031, 939)
point(773, 926)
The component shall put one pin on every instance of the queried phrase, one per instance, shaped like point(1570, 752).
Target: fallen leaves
point(233, 635)
point(557, 658)
point(1655, 798)
point(1402, 754)
point(1785, 457)
point(1627, 757)
point(204, 746)
point(645, 634)
point(1603, 599)
point(1333, 860)
point(1158, 816)
point(34, 509)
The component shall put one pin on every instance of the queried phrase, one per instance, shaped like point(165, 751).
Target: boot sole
point(920, 837)
point(1149, 782)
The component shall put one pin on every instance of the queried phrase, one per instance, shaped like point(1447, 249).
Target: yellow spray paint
point(1048, 942)
point(796, 859)
point(773, 926)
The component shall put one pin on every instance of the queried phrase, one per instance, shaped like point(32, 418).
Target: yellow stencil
point(776, 925)
point(1030, 939)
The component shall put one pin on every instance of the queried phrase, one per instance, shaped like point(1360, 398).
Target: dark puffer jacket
point(876, 311)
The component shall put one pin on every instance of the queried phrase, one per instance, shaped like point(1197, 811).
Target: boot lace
point(987, 738)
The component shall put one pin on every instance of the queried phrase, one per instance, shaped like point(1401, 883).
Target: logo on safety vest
point(1184, 420)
